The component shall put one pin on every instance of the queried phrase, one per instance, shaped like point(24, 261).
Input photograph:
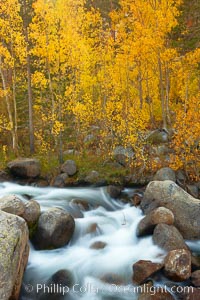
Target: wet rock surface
point(55, 229)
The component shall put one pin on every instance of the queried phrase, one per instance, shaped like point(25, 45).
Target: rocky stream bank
point(169, 208)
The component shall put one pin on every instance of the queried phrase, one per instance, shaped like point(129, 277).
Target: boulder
point(123, 154)
point(60, 281)
point(60, 180)
point(69, 167)
point(165, 174)
point(55, 229)
point(168, 237)
point(195, 278)
point(14, 250)
point(114, 191)
point(92, 177)
point(157, 216)
point(158, 136)
point(143, 269)
point(12, 204)
point(31, 212)
point(178, 265)
point(25, 167)
point(63, 278)
point(185, 208)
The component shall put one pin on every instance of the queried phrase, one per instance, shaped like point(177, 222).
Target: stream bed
point(96, 273)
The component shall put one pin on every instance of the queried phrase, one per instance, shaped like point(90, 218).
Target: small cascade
point(100, 255)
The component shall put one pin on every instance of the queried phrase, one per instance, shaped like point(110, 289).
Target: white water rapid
point(114, 223)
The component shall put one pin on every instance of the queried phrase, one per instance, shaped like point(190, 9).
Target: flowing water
point(98, 274)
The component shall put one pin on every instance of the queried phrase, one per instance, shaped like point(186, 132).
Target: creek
point(98, 274)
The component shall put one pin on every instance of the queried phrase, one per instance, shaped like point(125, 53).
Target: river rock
point(12, 204)
point(14, 250)
point(143, 269)
point(63, 278)
point(136, 199)
point(185, 208)
point(168, 237)
point(32, 212)
point(81, 203)
point(114, 191)
point(165, 174)
point(98, 245)
point(111, 278)
point(60, 180)
point(74, 210)
point(92, 228)
point(69, 167)
point(57, 283)
point(25, 167)
point(195, 278)
point(178, 265)
point(157, 216)
point(55, 229)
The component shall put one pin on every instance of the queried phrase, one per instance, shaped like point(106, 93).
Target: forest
point(95, 75)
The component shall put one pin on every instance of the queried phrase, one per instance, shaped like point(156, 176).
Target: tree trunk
point(162, 94)
point(30, 106)
point(15, 142)
point(26, 7)
point(140, 88)
point(10, 117)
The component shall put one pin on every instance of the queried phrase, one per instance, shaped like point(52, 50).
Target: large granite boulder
point(186, 209)
point(25, 167)
point(14, 250)
point(55, 229)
